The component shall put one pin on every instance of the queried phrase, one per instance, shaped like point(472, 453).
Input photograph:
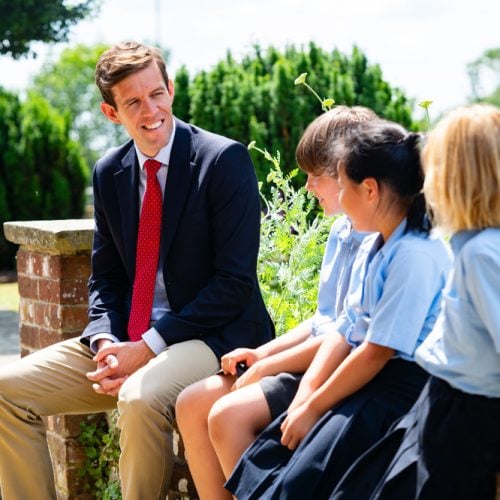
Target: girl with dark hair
point(363, 377)
point(448, 445)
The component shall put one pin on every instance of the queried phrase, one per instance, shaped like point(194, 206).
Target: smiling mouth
point(154, 125)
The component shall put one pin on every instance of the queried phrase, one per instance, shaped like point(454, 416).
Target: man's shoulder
point(114, 156)
point(207, 140)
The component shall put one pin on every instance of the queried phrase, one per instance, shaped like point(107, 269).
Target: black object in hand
point(241, 368)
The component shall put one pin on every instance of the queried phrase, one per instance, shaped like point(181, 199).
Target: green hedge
point(255, 99)
point(42, 171)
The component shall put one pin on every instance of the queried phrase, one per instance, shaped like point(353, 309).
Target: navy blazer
point(209, 243)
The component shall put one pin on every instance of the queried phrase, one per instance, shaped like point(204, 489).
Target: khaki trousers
point(52, 381)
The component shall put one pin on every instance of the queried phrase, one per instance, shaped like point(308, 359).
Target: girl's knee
point(186, 405)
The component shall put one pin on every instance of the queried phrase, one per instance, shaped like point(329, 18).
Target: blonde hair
point(315, 153)
point(462, 169)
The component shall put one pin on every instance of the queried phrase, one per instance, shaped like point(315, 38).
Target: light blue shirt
point(464, 347)
point(395, 291)
point(340, 251)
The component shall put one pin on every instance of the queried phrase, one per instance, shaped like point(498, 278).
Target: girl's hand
point(296, 426)
point(302, 395)
point(252, 375)
point(229, 361)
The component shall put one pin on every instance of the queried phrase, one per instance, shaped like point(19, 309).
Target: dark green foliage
point(99, 437)
point(42, 172)
point(255, 99)
point(26, 21)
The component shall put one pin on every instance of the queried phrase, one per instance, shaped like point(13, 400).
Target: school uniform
point(393, 300)
point(340, 251)
point(448, 446)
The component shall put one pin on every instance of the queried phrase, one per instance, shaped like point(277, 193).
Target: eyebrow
point(163, 88)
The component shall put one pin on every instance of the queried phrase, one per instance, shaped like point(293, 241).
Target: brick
point(48, 315)
point(74, 317)
point(67, 266)
point(27, 310)
point(49, 337)
point(25, 351)
point(74, 291)
point(22, 261)
point(35, 264)
point(28, 286)
point(49, 290)
point(75, 266)
point(29, 335)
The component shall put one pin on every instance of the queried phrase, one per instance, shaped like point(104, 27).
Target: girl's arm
point(333, 350)
point(357, 369)
point(250, 356)
point(295, 359)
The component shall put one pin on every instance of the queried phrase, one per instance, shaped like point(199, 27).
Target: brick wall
point(53, 266)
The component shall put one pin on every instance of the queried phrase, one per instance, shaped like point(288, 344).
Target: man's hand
point(115, 362)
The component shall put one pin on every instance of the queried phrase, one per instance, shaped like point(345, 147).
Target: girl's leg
point(235, 421)
point(192, 408)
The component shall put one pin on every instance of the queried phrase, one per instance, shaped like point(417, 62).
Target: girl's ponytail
point(417, 216)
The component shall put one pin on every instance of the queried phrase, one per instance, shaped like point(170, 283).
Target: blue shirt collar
point(459, 239)
point(393, 238)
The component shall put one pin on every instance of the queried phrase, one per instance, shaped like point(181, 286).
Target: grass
point(9, 297)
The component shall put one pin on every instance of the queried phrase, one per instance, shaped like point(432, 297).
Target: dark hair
point(386, 152)
point(314, 153)
point(122, 60)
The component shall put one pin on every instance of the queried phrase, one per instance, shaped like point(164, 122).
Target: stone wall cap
point(68, 236)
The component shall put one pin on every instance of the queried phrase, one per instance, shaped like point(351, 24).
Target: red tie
point(148, 249)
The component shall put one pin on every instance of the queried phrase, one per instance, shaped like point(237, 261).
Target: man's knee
point(135, 404)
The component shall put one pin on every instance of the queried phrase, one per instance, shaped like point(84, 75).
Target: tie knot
point(152, 167)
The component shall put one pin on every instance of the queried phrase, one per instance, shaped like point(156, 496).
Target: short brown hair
point(315, 153)
point(462, 168)
point(122, 60)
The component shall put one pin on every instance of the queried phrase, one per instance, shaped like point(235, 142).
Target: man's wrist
point(154, 341)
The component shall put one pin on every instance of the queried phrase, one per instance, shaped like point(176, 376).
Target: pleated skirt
point(268, 470)
point(446, 448)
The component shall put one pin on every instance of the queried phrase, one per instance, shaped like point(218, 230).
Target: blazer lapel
point(127, 182)
point(178, 183)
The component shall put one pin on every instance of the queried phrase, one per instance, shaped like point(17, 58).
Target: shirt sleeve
point(483, 284)
point(409, 303)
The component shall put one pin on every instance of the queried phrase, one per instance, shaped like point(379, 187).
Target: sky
point(422, 46)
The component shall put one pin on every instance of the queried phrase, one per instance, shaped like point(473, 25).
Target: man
point(173, 286)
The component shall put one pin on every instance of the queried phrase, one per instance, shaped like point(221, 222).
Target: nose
point(148, 107)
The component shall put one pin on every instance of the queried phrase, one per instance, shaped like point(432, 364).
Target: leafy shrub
point(42, 172)
point(254, 97)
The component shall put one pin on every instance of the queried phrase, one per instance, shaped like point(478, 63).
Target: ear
point(171, 90)
point(371, 188)
point(110, 112)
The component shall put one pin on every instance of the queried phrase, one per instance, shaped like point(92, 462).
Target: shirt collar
point(394, 237)
point(458, 240)
point(163, 156)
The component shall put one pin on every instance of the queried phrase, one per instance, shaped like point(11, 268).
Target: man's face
point(144, 108)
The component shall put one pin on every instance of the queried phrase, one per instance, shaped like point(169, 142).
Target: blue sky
point(422, 46)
